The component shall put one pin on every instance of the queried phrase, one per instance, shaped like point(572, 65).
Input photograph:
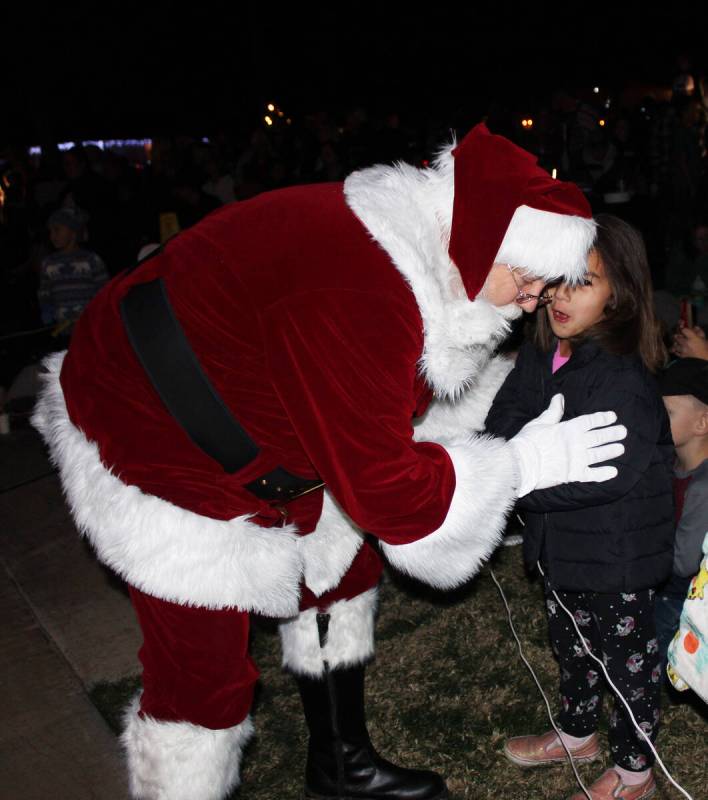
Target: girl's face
point(575, 309)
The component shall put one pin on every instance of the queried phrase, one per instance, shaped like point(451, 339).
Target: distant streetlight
point(271, 107)
point(268, 120)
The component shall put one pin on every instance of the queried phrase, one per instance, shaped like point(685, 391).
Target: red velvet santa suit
point(324, 317)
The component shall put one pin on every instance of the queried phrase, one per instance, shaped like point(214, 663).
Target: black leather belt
point(177, 376)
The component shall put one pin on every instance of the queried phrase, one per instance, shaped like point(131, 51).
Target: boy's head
point(65, 228)
point(684, 386)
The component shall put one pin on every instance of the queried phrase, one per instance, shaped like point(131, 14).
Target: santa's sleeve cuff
point(485, 492)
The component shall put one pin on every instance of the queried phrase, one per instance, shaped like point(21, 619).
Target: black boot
point(341, 761)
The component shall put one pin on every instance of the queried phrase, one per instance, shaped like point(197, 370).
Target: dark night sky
point(132, 70)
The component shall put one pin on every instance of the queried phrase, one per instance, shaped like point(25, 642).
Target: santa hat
point(508, 210)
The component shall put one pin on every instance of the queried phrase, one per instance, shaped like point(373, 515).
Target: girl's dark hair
point(630, 325)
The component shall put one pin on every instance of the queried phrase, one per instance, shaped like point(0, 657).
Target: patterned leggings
point(619, 628)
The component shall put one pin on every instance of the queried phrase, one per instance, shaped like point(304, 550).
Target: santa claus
point(233, 413)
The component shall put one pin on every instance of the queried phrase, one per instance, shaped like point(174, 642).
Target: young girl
point(603, 547)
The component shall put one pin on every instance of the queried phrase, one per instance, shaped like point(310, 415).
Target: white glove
point(550, 452)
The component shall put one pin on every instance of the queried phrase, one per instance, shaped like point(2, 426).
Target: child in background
point(684, 385)
point(70, 277)
point(604, 547)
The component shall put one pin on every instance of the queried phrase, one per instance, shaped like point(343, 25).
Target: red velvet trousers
point(196, 665)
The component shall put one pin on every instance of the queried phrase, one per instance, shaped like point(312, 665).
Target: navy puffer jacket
point(615, 536)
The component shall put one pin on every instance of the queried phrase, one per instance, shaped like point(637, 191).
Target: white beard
point(510, 311)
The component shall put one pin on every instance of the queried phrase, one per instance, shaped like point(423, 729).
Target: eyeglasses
point(525, 297)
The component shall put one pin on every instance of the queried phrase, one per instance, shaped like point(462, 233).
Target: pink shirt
point(558, 359)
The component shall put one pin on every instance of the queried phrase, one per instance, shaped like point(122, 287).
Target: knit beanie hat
point(72, 218)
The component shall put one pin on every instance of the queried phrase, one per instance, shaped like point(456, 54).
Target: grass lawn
point(446, 689)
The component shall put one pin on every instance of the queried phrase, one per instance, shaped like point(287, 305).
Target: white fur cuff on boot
point(181, 761)
point(350, 637)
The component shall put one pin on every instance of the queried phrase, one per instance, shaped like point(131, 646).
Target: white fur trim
point(181, 761)
point(448, 419)
point(408, 211)
point(484, 494)
point(547, 244)
point(329, 550)
point(164, 550)
point(350, 637)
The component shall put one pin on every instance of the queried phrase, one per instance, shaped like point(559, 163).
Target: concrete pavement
point(66, 624)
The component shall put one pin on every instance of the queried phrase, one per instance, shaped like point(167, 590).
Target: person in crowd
point(328, 166)
point(603, 548)
point(219, 182)
point(685, 165)
point(688, 261)
point(252, 168)
point(684, 386)
point(624, 174)
point(598, 155)
point(191, 202)
point(71, 276)
point(85, 189)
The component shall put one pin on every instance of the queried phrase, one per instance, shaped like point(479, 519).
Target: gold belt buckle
point(280, 506)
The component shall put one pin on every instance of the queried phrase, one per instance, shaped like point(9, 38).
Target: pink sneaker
point(539, 751)
point(609, 786)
